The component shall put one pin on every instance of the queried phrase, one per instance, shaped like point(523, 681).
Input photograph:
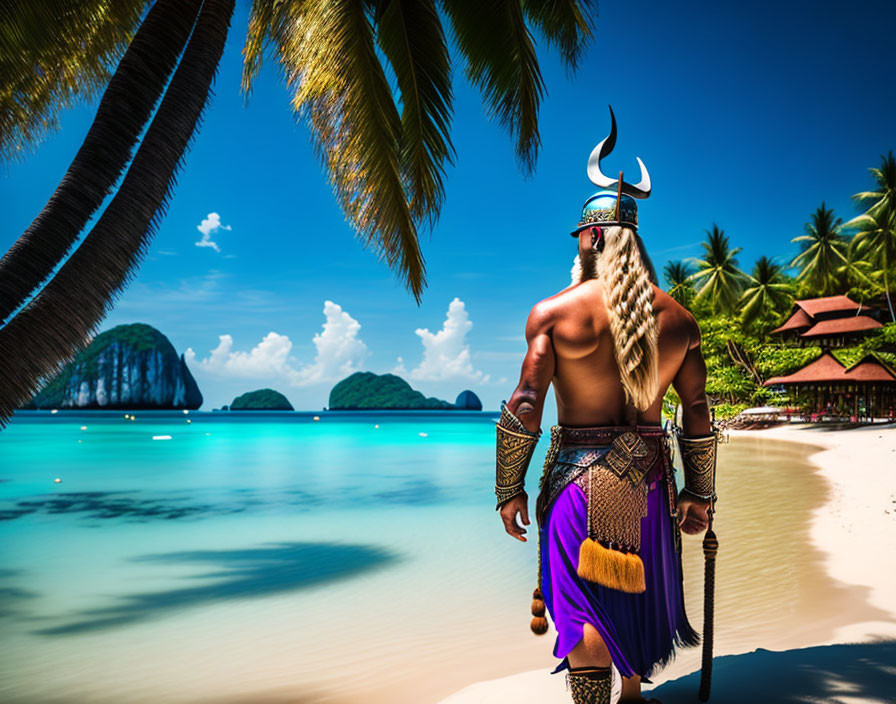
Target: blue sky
point(747, 115)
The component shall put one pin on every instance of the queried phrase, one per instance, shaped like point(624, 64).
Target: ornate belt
point(613, 465)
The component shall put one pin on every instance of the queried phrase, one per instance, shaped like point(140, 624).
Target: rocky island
point(129, 367)
point(261, 400)
point(369, 391)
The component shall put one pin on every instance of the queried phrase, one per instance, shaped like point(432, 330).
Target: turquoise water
point(256, 537)
point(271, 558)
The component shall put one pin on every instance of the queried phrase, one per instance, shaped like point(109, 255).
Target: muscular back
point(571, 346)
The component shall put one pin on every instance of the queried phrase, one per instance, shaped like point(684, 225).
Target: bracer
point(516, 445)
point(698, 457)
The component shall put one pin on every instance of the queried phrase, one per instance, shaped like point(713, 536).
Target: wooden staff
point(710, 548)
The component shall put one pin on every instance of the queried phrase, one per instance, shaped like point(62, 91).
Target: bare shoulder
point(547, 312)
point(675, 318)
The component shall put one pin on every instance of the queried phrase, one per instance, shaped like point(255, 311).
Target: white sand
point(856, 530)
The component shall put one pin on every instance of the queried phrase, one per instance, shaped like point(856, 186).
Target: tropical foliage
point(767, 291)
point(736, 312)
point(372, 79)
point(678, 279)
point(822, 254)
point(718, 280)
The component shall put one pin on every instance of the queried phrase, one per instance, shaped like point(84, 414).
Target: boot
point(589, 685)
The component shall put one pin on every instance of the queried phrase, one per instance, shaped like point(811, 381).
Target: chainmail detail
point(515, 446)
point(619, 528)
point(698, 457)
point(585, 690)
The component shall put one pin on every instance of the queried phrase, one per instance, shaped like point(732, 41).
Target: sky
point(747, 115)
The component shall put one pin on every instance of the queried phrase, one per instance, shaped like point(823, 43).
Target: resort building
point(833, 321)
point(825, 389)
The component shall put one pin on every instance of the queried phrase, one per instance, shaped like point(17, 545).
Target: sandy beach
point(849, 661)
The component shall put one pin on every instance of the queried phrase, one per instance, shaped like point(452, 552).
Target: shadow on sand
point(857, 672)
point(233, 574)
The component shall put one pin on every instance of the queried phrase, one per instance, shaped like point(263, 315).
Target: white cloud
point(339, 349)
point(210, 227)
point(339, 352)
point(446, 354)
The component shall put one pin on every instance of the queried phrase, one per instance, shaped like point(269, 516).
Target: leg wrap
point(589, 685)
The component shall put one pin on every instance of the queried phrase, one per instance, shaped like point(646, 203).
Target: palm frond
point(266, 19)
point(501, 62)
point(51, 328)
point(327, 52)
point(565, 24)
point(410, 35)
point(126, 105)
point(52, 53)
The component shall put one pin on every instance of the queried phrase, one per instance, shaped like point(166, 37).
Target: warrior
point(609, 514)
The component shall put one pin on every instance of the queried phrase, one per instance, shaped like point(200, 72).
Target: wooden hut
point(827, 390)
point(832, 321)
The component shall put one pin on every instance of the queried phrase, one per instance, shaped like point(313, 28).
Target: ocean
point(272, 557)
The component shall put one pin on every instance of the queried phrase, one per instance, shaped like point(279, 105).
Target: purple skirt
point(641, 631)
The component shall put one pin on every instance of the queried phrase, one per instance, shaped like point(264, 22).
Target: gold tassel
point(611, 568)
point(539, 624)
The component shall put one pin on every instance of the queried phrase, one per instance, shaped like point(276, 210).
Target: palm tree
point(884, 198)
point(767, 291)
point(875, 242)
point(822, 253)
point(385, 147)
point(122, 114)
point(876, 227)
point(58, 321)
point(677, 274)
point(54, 52)
point(717, 278)
point(856, 274)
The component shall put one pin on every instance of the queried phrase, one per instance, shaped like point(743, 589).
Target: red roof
point(825, 368)
point(842, 326)
point(828, 304)
point(870, 368)
point(798, 321)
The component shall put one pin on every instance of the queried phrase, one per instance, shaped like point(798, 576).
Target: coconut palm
point(54, 52)
point(875, 242)
point(385, 147)
point(856, 275)
point(884, 198)
point(767, 291)
point(53, 326)
point(876, 228)
point(677, 275)
point(822, 252)
point(122, 114)
point(718, 280)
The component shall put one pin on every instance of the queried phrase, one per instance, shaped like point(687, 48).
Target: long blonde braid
point(626, 279)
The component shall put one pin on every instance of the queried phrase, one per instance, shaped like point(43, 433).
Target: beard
point(584, 267)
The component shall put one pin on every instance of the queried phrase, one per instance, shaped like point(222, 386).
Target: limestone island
point(369, 391)
point(261, 400)
point(131, 366)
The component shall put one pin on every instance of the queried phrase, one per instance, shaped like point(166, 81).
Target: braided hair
point(626, 274)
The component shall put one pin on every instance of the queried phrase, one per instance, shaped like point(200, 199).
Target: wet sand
point(774, 588)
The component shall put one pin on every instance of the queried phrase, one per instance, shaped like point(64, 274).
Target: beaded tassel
point(539, 623)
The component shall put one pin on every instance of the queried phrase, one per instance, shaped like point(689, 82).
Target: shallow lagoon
point(271, 558)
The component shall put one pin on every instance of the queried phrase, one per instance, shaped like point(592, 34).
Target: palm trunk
point(61, 319)
point(889, 300)
point(125, 107)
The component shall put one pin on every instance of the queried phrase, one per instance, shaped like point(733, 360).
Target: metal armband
point(698, 457)
point(516, 445)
